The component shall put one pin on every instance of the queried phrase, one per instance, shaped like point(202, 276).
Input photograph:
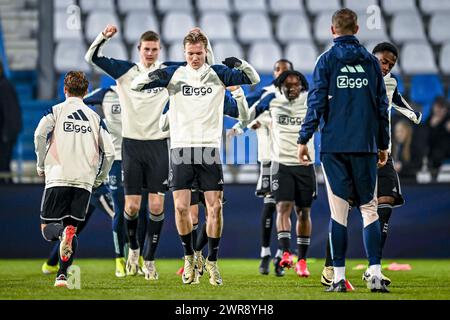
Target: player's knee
point(132, 208)
point(156, 208)
point(182, 209)
point(43, 233)
point(304, 214)
point(284, 208)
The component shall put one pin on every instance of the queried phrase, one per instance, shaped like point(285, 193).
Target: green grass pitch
point(22, 279)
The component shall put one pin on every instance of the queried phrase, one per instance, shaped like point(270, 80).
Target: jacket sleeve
point(382, 107)
point(317, 100)
point(43, 130)
point(95, 97)
point(157, 79)
point(402, 106)
point(112, 67)
point(235, 105)
point(254, 96)
point(107, 148)
point(244, 74)
point(164, 119)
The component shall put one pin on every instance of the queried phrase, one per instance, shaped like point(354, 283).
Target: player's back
point(355, 90)
point(73, 154)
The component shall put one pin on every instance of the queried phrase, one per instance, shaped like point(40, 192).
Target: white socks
point(339, 274)
point(375, 270)
point(265, 251)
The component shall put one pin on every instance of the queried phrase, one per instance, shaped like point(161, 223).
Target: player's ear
point(333, 31)
point(356, 29)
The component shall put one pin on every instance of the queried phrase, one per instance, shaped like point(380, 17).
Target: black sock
point(202, 239)
point(63, 266)
point(213, 248)
point(186, 241)
point(284, 241)
point(303, 245)
point(328, 260)
point(267, 221)
point(53, 258)
point(142, 226)
point(384, 214)
point(53, 231)
point(194, 235)
point(154, 228)
point(131, 224)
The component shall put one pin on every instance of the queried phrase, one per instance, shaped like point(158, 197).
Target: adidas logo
point(78, 115)
point(221, 181)
point(356, 69)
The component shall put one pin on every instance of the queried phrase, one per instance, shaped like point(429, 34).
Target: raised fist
point(110, 31)
point(232, 62)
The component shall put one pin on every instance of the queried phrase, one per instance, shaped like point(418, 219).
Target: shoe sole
point(68, 236)
point(377, 286)
point(61, 284)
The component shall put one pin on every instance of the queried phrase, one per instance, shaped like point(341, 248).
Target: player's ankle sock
point(375, 270)
point(154, 228)
point(213, 248)
point(384, 214)
point(265, 251)
point(194, 234)
point(303, 245)
point(131, 223)
point(63, 266)
point(202, 239)
point(53, 258)
point(372, 241)
point(52, 231)
point(338, 243)
point(267, 220)
point(339, 274)
point(186, 241)
point(279, 253)
point(284, 240)
point(328, 260)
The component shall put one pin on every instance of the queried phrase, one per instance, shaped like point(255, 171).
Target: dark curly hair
point(280, 80)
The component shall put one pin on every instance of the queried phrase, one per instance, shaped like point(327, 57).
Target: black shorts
point(145, 165)
point(294, 183)
point(389, 183)
point(202, 165)
point(59, 203)
point(195, 197)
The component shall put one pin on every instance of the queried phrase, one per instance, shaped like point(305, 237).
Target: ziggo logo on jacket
point(192, 91)
point(346, 82)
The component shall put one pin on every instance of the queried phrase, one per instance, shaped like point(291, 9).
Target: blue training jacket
point(348, 99)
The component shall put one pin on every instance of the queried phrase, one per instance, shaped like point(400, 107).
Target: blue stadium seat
point(263, 54)
point(424, 89)
point(400, 84)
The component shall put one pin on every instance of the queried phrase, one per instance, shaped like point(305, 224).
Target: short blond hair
point(195, 37)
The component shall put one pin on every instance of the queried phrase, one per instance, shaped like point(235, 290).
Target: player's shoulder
point(269, 98)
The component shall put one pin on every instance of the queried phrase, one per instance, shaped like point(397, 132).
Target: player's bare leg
point(183, 220)
point(131, 214)
point(284, 209)
point(214, 227)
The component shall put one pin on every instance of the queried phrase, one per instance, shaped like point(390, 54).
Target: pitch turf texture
point(22, 279)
